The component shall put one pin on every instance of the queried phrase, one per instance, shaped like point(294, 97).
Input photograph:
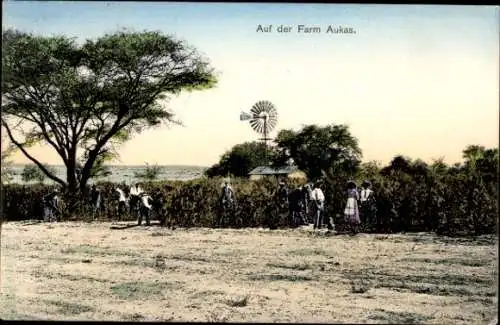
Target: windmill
point(263, 118)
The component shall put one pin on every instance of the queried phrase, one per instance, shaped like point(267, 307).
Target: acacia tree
point(84, 100)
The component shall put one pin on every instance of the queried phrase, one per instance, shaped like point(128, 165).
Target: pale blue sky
point(415, 80)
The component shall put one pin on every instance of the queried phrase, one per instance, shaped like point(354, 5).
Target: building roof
point(266, 170)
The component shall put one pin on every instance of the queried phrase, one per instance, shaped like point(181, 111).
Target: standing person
point(227, 201)
point(282, 198)
point(351, 211)
point(95, 200)
point(159, 207)
point(295, 204)
point(134, 199)
point(145, 208)
point(122, 203)
point(138, 189)
point(318, 197)
point(50, 205)
point(282, 193)
point(306, 200)
point(368, 205)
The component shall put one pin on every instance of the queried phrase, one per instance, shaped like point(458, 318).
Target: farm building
point(266, 171)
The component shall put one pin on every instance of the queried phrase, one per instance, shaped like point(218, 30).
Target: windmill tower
point(263, 118)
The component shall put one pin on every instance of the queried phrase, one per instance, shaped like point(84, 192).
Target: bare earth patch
point(81, 271)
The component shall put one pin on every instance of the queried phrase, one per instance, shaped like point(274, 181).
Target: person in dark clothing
point(158, 205)
point(122, 203)
point(295, 205)
point(50, 206)
point(368, 206)
point(306, 201)
point(145, 208)
point(282, 202)
point(282, 193)
point(227, 202)
point(95, 200)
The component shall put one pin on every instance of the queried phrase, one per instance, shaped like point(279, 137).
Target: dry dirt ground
point(82, 271)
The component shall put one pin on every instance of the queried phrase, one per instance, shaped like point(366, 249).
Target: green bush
point(449, 203)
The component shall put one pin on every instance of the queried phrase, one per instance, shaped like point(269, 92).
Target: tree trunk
point(74, 197)
point(87, 169)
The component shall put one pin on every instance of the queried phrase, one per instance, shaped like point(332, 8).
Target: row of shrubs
point(458, 204)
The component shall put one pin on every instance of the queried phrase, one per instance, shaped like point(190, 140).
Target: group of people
point(308, 201)
point(360, 207)
point(138, 202)
point(300, 204)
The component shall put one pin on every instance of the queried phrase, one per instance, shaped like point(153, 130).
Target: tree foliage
point(241, 159)
point(150, 172)
point(319, 149)
point(85, 100)
point(33, 173)
point(5, 165)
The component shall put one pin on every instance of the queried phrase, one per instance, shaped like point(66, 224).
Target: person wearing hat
point(318, 197)
point(351, 211)
point(368, 206)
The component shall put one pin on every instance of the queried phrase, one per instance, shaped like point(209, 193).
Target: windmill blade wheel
point(263, 110)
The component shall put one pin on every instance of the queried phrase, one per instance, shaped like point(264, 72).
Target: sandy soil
point(104, 271)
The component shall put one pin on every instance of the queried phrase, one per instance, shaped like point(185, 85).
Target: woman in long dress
point(351, 211)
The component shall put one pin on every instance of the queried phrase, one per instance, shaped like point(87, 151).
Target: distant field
point(126, 173)
point(78, 271)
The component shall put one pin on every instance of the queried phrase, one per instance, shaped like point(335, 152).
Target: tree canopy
point(314, 149)
point(318, 149)
point(84, 100)
point(241, 159)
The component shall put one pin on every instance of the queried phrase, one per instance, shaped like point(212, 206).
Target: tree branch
point(36, 162)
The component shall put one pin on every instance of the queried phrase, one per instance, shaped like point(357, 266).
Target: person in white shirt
point(368, 205)
point(134, 199)
point(145, 208)
point(122, 202)
point(318, 197)
point(136, 189)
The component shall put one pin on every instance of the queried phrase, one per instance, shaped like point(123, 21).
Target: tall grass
point(448, 203)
